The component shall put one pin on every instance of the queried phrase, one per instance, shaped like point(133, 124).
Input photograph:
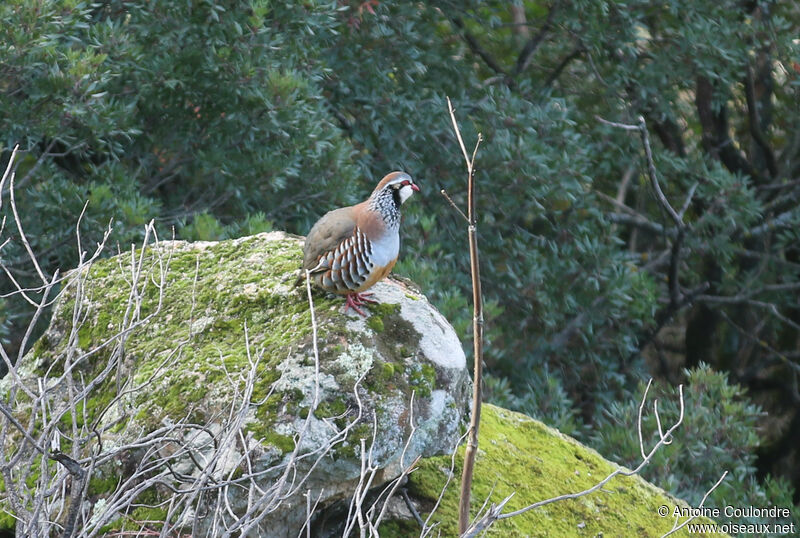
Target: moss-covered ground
point(522, 456)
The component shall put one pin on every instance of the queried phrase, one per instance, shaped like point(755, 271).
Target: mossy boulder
point(209, 316)
point(520, 455)
point(208, 323)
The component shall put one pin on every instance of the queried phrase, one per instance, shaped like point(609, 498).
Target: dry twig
point(477, 325)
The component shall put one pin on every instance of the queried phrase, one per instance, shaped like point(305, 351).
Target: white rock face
point(438, 343)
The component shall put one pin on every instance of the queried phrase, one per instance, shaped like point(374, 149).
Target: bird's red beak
point(414, 187)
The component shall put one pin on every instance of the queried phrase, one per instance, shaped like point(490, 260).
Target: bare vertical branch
point(477, 328)
point(313, 339)
point(652, 174)
point(7, 173)
point(676, 297)
point(22, 235)
point(639, 421)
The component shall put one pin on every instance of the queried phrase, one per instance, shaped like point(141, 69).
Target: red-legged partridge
point(349, 249)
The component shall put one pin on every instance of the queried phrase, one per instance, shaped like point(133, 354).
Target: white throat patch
point(405, 192)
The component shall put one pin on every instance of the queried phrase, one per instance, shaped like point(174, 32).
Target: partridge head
point(349, 249)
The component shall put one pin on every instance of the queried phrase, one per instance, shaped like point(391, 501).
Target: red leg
point(354, 301)
point(365, 297)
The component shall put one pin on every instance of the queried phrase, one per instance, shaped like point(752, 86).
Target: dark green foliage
point(718, 433)
point(168, 110)
point(545, 399)
point(229, 118)
point(573, 289)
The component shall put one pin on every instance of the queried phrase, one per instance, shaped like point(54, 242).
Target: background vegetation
point(222, 119)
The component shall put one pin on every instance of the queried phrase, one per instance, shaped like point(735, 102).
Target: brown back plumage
point(351, 248)
point(326, 234)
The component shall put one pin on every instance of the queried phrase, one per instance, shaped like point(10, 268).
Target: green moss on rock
point(352, 448)
point(523, 456)
point(375, 323)
point(198, 337)
point(377, 313)
point(143, 518)
point(7, 521)
point(99, 484)
point(328, 409)
point(284, 443)
point(423, 379)
point(384, 309)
